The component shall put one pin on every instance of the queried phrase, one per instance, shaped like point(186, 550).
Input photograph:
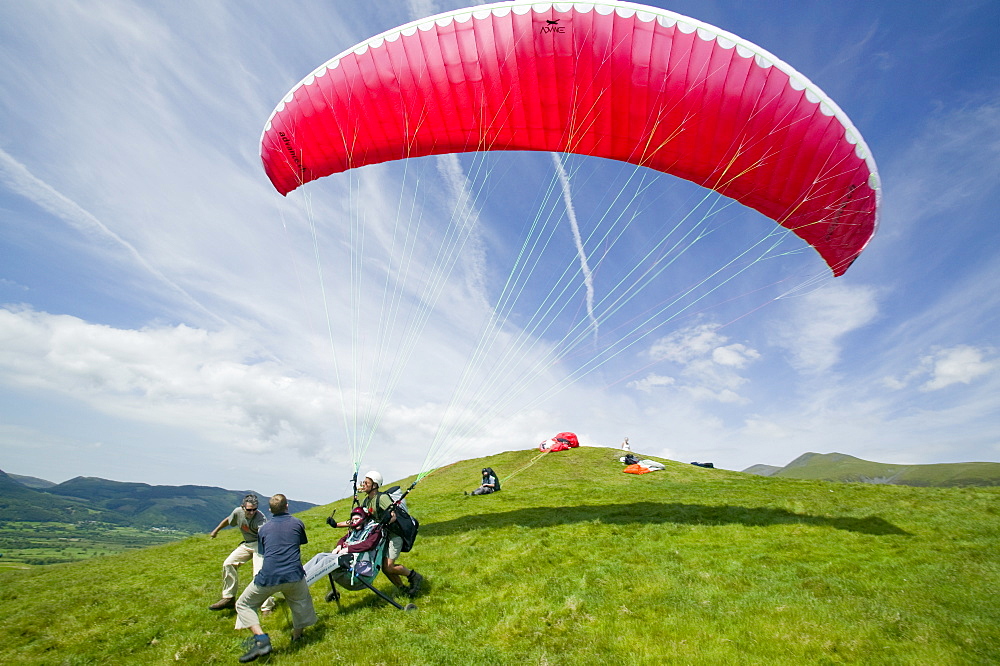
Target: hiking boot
point(415, 581)
point(224, 602)
point(261, 646)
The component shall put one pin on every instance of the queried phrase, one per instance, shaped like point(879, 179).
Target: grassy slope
point(577, 563)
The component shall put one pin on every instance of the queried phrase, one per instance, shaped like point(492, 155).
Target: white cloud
point(422, 8)
point(820, 320)
point(961, 364)
point(894, 384)
point(651, 381)
point(724, 395)
point(465, 219)
point(18, 179)
point(588, 276)
point(958, 365)
point(11, 284)
point(225, 390)
point(734, 355)
point(206, 381)
point(685, 345)
point(707, 363)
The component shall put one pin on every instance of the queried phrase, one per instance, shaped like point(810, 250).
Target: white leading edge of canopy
point(666, 18)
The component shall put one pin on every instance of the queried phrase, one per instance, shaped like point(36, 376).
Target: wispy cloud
point(465, 217)
point(422, 8)
point(820, 320)
point(652, 381)
point(16, 177)
point(949, 165)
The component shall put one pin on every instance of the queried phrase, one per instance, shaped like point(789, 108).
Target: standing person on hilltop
point(249, 519)
point(281, 540)
point(376, 504)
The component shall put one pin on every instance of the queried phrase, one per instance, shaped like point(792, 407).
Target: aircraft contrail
point(588, 277)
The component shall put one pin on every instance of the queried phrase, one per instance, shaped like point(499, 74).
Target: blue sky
point(166, 317)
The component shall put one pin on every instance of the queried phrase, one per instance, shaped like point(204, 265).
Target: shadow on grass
point(355, 600)
point(658, 512)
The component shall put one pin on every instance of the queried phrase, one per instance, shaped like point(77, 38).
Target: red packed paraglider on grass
point(561, 442)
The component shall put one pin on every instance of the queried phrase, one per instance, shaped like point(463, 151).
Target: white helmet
point(375, 477)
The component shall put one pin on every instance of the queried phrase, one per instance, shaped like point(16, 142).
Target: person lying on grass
point(363, 535)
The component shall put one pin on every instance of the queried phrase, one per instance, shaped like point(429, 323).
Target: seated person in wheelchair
point(362, 536)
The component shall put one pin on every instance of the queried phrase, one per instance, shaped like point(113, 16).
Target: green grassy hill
point(19, 502)
point(575, 562)
point(842, 467)
point(86, 516)
point(32, 481)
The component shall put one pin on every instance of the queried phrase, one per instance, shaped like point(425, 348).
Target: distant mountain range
point(184, 508)
point(32, 481)
point(845, 468)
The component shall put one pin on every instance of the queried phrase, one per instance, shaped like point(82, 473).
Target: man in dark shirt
point(280, 541)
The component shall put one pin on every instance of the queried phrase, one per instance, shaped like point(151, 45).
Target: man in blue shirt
point(280, 540)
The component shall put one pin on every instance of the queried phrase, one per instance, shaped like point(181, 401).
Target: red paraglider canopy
point(622, 81)
point(561, 442)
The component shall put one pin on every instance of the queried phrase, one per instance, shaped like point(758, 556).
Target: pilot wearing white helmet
point(376, 504)
point(374, 477)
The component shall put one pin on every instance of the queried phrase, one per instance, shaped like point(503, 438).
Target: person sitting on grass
point(362, 536)
point(490, 483)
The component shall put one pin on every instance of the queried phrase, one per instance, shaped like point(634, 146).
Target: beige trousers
point(242, 554)
point(296, 596)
